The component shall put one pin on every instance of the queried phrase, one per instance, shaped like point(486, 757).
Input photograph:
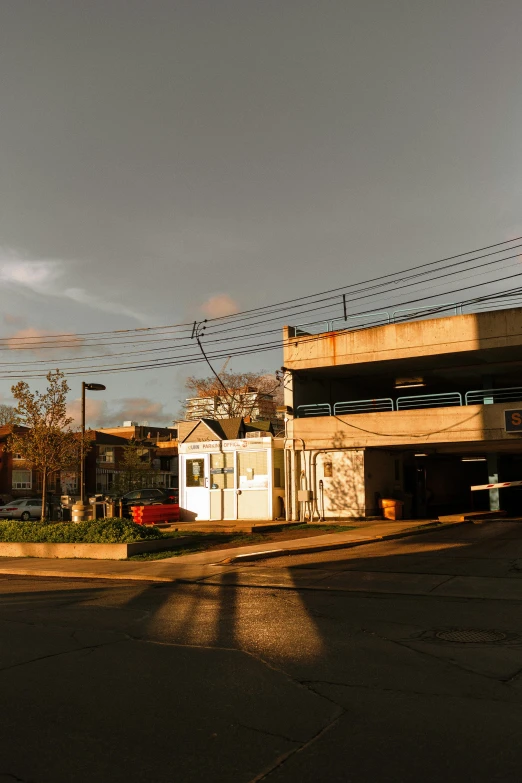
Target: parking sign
point(513, 420)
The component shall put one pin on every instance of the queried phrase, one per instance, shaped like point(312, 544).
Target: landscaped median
point(120, 539)
point(101, 539)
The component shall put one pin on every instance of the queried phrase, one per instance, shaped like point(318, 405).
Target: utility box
point(305, 495)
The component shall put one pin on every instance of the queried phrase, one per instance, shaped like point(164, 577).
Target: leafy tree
point(7, 415)
point(49, 444)
point(232, 395)
point(135, 469)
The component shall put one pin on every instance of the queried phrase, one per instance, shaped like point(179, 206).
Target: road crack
point(285, 757)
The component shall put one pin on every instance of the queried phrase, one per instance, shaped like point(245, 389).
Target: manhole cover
point(470, 637)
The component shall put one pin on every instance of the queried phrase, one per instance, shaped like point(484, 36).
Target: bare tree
point(231, 395)
point(49, 444)
point(7, 415)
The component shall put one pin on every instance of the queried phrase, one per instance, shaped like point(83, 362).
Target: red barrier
point(153, 515)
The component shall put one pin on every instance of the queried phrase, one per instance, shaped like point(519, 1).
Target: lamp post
point(90, 387)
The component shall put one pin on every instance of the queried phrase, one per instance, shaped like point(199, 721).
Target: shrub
point(97, 531)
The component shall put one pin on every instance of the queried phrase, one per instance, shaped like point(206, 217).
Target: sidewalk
point(204, 565)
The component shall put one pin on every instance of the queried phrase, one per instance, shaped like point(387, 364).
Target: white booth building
point(232, 479)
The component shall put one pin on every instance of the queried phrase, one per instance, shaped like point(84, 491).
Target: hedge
point(99, 531)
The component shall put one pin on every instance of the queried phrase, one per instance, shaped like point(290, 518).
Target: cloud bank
point(47, 278)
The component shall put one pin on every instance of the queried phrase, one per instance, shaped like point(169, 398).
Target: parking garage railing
point(428, 401)
point(364, 406)
point(412, 402)
point(321, 409)
point(377, 318)
point(489, 396)
point(373, 318)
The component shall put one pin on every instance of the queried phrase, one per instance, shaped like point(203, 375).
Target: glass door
point(197, 493)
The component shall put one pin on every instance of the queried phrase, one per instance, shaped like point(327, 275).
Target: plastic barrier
point(155, 515)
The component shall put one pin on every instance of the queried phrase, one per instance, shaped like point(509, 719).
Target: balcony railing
point(412, 402)
point(374, 318)
point(377, 318)
point(322, 409)
point(364, 406)
point(489, 396)
point(428, 401)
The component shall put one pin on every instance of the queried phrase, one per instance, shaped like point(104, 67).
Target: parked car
point(147, 497)
point(22, 508)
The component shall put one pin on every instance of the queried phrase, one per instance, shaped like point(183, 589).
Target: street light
point(91, 387)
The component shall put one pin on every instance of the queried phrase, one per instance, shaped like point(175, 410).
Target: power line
point(247, 350)
point(124, 336)
point(138, 331)
point(51, 345)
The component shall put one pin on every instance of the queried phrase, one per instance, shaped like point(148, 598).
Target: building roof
point(7, 429)
point(231, 428)
point(106, 439)
point(259, 426)
point(212, 429)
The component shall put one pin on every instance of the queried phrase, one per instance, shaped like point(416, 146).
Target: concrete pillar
point(295, 469)
point(494, 499)
point(288, 389)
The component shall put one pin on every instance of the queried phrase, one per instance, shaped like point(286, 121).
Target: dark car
point(147, 497)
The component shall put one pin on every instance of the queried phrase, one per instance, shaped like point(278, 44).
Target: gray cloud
point(154, 155)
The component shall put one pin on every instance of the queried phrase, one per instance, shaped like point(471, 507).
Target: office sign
point(188, 448)
point(513, 420)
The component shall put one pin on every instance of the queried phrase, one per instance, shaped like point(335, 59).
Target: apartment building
point(419, 411)
point(103, 464)
point(248, 403)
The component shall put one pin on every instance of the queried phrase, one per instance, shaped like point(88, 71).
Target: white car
point(22, 508)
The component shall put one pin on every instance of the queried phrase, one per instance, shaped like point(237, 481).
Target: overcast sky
point(160, 160)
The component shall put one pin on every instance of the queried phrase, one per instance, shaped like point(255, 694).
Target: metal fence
point(489, 396)
point(412, 402)
point(382, 317)
point(428, 401)
point(322, 409)
point(364, 406)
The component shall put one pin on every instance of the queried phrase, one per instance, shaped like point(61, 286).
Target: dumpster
point(391, 508)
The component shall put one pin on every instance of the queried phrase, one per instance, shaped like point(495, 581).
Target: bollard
point(81, 513)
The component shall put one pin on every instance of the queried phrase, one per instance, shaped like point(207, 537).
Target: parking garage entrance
point(436, 484)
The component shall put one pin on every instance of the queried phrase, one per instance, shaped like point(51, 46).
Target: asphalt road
point(345, 681)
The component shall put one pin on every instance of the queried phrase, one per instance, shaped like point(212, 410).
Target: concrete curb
point(151, 577)
point(305, 550)
point(88, 575)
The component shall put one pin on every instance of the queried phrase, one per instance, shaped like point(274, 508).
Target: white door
point(197, 492)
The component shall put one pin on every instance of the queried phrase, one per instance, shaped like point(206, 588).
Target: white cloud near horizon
point(46, 277)
point(29, 341)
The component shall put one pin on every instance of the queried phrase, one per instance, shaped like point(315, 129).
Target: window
point(253, 471)
point(21, 479)
point(195, 473)
point(279, 469)
point(222, 470)
point(18, 456)
point(106, 453)
point(69, 482)
point(51, 482)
